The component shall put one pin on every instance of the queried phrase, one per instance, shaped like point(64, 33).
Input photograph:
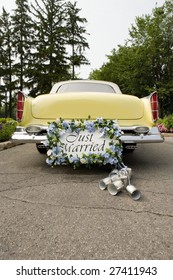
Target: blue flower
point(106, 131)
point(99, 120)
point(65, 124)
point(51, 129)
point(119, 153)
point(117, 133)
point(90, 126)
point(112, 160)
point(49, 161)
point(78, 130)
point(115, 149)
point(73, 159)
point(56, 150)
point(106, 155)
point(63, 159)
point(57, 161)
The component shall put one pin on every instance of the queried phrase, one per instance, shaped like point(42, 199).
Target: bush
point(7, 128)
point(169, 121)
point(166, 124)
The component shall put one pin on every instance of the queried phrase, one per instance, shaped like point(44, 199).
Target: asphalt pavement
point(61, 213)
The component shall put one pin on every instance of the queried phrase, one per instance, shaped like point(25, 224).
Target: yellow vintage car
point(79, 99)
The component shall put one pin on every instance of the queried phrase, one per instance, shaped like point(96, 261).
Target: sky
point(108, 23)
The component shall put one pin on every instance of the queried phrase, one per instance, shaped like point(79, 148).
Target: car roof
point(57, 85)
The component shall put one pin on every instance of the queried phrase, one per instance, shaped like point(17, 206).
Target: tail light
point(20, 106)
point(154, 105)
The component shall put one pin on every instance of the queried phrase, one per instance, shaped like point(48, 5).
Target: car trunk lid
point(82, 105)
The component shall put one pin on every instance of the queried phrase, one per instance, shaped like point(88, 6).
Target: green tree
point(50, 56)
point(22, 41)
point(145, 62)
point(122, 68)
point(6, 61)
point(76, 32)
point(154, 34)
point(35, 42)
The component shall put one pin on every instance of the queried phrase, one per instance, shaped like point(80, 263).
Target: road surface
point(62, 214)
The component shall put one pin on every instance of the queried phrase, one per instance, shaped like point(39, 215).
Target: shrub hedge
point(7, 127)
point(166, 124)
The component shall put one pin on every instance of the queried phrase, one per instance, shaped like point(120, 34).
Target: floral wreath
point(106, 128)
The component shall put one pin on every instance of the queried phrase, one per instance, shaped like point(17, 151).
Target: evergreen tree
point(22, 41)
point(6, 60)
point(75, 36)
point(50, 57)
point(34, 44)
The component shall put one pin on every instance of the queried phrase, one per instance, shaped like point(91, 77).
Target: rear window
point(85, 87)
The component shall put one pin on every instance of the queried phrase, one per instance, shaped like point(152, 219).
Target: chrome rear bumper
point(154, 136)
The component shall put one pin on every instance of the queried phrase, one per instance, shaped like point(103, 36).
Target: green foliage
point(166, 121)
point(75, 32)
point(49, 60)
point(145, 63)
point(6, 56)
point(34, 40)
point(7, 128)
point(22, 41)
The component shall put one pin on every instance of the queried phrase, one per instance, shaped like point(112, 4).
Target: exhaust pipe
point(115, 187)
point(133, 192)
point(104, 183)
point(130, 147)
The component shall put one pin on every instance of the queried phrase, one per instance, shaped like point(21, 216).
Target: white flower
point(49, 152)
point(76, 123)
point(83, 160)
